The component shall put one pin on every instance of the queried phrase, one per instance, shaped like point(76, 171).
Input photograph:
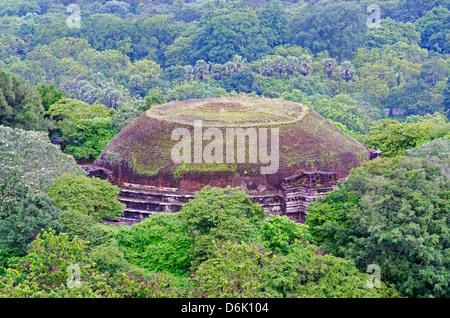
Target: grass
point(231, 112)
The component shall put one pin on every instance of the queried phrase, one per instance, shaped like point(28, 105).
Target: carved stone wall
point(301, 189)
point(293, 200)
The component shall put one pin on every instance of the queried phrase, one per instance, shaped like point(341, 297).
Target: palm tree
point(218, 71)
point(189, 73)
point(329, 65)
point(136, 82)
point(305, 65)
point(398, 74)
point(239, 61)
point(279, 65)
point(230, 67)
point(201, 68)
point(292, 65)
point(347, 71)
point(266, 68)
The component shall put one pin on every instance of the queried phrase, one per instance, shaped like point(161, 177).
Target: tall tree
point(305, 65)
point(229, 32)
point(201, 68)
point(335, 26)
point(347, 71)
point(20, 104)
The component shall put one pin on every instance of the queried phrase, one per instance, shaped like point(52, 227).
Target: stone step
point(146, 205)
point(133, 200)
point(154, 196)
point(136, 215)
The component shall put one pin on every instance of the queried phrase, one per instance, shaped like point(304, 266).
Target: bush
point(219, 215)
point(158, 243)
point(394, 213)
point(91, 196)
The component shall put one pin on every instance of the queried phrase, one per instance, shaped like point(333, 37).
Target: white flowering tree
point(28, 160)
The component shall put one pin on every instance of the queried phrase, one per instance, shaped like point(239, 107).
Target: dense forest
point(75, 73)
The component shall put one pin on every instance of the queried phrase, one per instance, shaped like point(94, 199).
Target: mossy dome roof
point(142, 151)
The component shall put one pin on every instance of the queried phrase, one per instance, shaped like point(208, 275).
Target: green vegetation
point(393, 212)
point(115, 88)
point(219, 245)
point(92, 196)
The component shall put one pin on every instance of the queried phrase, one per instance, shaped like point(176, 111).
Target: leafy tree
point(391, 32)
point(307, 273)
point(375, 79)
point(26, 219)
point(229, 32)
point(78, 224)
point(434, 71)
point(392, 212)
point(234, 272)
point(434, 27)
point(242, 82)
point(335, 26)
point(394, 138)
point(218, 215)
point(28, 162)
point(342, 108)
point(411, 10)
point(280, 234)
point(20, 104)
point(50, 94)
point(158, 243)
point(273, 16)
point(85, 129)
point(415, 97)
point(92, 196)
point(118, 8)
point(53, 261)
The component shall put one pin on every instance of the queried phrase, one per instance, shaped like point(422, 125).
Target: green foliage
point(228, 32)
point(50, 94)
point(92, 196)
point(129, 56)
point(393, 138)
point(234, 272)
point(392, 32)
point(20, 104)
point(306, 273)
point(85, 129)
point(345, 110)
point(76, 223)
point(216, 215)
point(53, 261)
point(434, 27)
point(26, 218)
point(280, 234)
point(336, 27)
point(28, 161)
point(159, 243)
point(394, 213)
